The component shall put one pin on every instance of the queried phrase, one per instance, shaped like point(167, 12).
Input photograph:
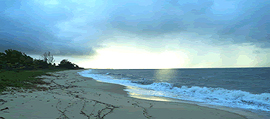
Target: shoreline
point(71, 95)
point(251, 114)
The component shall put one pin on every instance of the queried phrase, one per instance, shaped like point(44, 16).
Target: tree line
point(16, 60)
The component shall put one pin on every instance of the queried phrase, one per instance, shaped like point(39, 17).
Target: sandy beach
point(71, 96)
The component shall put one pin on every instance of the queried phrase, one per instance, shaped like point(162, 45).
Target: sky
point(147, 34)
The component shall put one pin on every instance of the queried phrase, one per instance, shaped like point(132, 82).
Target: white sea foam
point(215, 96)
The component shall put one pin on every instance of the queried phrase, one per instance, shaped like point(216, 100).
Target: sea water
point(243, 88)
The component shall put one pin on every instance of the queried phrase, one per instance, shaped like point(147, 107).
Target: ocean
point(241, 88)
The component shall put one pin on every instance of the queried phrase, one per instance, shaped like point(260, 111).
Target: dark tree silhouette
point(47, 57)
point(12, 59)
point(67, 64)
point(40, 64)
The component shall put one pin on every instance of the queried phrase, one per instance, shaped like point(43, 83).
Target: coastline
point(71, 95)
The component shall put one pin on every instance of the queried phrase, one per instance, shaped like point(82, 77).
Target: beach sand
point(73, 96)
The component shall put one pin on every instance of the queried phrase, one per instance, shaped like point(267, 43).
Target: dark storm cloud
point(253, 25)
point(75, 27)
point(247, 23)
point(30, 27)
point(157, 18)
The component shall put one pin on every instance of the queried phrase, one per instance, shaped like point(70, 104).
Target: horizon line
point(186, 68)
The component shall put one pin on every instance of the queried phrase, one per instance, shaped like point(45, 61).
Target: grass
point(23, 79)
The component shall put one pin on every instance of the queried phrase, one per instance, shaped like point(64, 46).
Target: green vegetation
point(67, 64)
point(23, 79)
point(15, 60)
point(19, 70)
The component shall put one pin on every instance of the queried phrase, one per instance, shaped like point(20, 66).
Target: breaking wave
point(214, 96)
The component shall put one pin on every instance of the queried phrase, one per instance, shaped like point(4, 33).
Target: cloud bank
point(224, 29)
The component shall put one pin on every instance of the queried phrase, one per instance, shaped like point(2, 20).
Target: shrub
point(67, 64)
